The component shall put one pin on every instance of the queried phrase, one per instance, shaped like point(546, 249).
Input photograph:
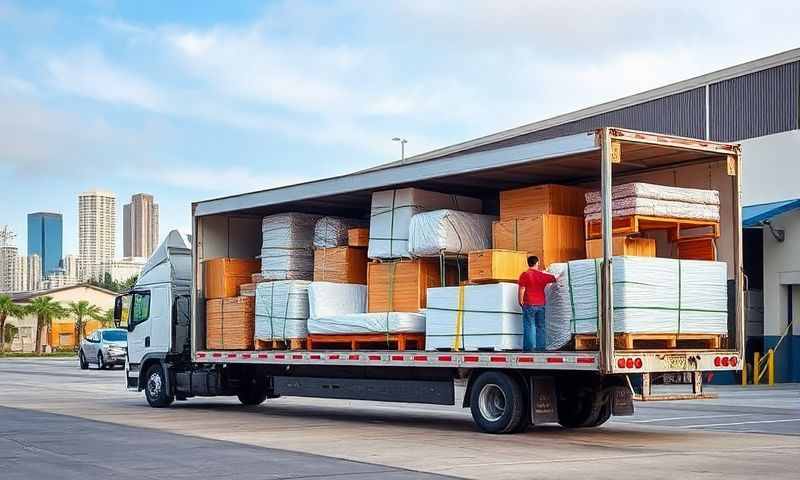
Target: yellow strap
point(459, 321)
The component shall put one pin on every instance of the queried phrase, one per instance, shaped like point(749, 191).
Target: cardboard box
point(358, 237)
point(401, 286)
point(341, 265)
point(222, 276)
point(552, 238)
point(230, 323)
point(486, 266)
point(542, 200)
point(628, 246)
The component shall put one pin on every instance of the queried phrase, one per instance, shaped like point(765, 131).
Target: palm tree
point(105, 317)
point(7, 309)
point(82, 310)
point(45, 309)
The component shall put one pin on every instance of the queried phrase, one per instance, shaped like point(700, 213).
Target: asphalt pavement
point(57, 421)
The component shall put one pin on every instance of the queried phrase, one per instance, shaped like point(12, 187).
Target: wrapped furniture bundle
point(651, 295)
point(474, 317)
point(332, 231)
point(391, 214)
point(281, 310)
point(657, 201)
point(287, 246)
point(448, 231)
point(658, 192)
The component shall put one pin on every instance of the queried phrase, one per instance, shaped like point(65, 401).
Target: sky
point(196, 100)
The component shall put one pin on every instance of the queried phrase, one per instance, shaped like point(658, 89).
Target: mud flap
point(621, 401)
point(544, 406)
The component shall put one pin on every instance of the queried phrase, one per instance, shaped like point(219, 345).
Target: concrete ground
point(57, 420)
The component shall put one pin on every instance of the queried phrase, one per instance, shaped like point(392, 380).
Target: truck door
point(139, 325)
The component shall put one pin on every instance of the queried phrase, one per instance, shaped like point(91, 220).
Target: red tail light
point(725, 361)
point(638, 363)
point(629, 363)
point(717, 361)
point(621, 363)
point(734, 361)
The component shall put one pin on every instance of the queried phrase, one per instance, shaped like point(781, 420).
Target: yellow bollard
point(771, 367)
point(756, 361)
point(744, 373)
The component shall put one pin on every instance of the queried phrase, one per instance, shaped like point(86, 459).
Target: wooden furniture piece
point(230, 323)
point(626, 246)
point(358, 237)
point(642, 223)
point(487, 266)
point(222, 276)
point(340, 265)
point(542, 200)
point(552, 238)
point(401, 286)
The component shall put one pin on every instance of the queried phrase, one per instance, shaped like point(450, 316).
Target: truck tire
point(581, 408)
point(155, 388)
point(253, 392)
point(497, 403)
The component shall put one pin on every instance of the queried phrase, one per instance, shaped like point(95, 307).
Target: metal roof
point(753, 215)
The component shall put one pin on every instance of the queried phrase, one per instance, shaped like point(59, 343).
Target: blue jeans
point(533, 337)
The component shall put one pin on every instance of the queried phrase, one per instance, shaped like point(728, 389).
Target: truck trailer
point(506, 391)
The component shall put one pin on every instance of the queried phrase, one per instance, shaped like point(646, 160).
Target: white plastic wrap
point(655, 208)
point(287, 248)
point(491, 318)
point(328, 299)
point(449, 231)
point(658, 192)
point(651, 295)
point(281, 310)
point(332, 231)
point(391, 215)
point(367, 323)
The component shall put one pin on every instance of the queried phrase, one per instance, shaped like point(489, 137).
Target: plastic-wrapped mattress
point(281, 310)
point(391, 213)
point(449, 231)
point(658, 192)
point(332, 231)
point(367, 323)
point(473, 317)
point(655, 208)
point(287, 248)
point(328, 299)
point(651, 295)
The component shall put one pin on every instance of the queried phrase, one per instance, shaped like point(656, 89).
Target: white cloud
point(223, 181)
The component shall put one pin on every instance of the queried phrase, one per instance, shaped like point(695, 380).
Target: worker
point(532, 300)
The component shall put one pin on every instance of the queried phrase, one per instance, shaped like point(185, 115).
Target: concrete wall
point(770, 168)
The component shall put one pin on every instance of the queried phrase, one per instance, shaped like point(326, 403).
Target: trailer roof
point(568, 159)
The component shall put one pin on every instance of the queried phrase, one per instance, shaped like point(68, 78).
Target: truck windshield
point(115, 335)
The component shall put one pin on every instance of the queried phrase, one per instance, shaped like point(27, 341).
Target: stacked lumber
point(230, 323)
point(488, 266)
point(552, 238)
point(340, 264)
point(401, 286)
point(358, 237)
point(223, 276)
point(542, 200)
point(623, 246)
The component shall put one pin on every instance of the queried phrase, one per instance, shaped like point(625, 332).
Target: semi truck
point(506, 391)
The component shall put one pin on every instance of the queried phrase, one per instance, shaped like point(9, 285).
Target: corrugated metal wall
point(757, 104)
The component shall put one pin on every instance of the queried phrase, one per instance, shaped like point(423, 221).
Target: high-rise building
point(72, 266)
point(8, 263)
point(21, 274)
point(45, 233)
point(97, 218)
point(34, 272)
point(123, 269)
point(139, 226)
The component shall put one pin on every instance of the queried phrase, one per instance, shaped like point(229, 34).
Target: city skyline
point(140, 233)
point(45, 238)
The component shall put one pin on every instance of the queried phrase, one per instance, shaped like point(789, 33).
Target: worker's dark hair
point(533, 260)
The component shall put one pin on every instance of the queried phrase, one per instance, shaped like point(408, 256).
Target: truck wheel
point(155, 388)
point(253, 393)
point(497, 403)
point(580, 408)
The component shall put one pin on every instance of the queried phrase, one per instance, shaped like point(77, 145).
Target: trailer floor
point(743, 433)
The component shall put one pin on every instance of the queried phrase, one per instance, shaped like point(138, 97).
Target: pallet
point(642, 223)
point(630, 341)
point(401, 341)
point(288, 344)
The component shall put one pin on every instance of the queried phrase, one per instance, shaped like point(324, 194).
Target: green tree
point(9, 332)
point(106, 318)
point(7, 309)
point(46, 309)
point(83, 310)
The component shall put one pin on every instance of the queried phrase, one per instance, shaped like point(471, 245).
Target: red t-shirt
point(534, 282)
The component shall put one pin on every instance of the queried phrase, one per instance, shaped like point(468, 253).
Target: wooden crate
point(358, 237)
point(542, 200)
point(632, 246)
point(401, 286)
point(642, 223)
point(374, 341)
point(248, 289)
point(230, 323)
point(487, 266)
point(341, 265)
point(222, 276)
point(644, 341)
point(552, 238)
point(702, 248)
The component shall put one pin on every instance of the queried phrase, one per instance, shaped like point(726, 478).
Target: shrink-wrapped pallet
point(367, 323)
point(651, 295)
point(281, 310)
point(229, 323)
point(658, 192)
point(391, 213)
point(474, 317)
point(449, 231)
point(650, 207)
point(340, 264)
point(328, 299)
point(332, 231)
point(287, 246)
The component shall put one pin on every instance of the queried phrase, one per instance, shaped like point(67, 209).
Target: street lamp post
point(403, 142)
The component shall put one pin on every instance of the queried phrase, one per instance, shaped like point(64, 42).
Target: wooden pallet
point(630, 341)
point(400, 341)
point(642, 223)
point(288, 344)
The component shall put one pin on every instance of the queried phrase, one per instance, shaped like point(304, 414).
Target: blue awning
point(753, 215)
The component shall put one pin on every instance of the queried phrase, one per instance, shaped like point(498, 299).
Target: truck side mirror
point(118, 310)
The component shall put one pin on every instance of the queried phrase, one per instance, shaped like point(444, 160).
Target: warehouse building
point(756, 104)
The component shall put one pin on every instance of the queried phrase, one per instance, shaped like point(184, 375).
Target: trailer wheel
point(497, 403)
point(155, 388)
point(582, 407)
point(253, 392)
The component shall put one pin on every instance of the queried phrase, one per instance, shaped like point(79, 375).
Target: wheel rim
point(154, 385)
point(100, 361)
point(492, 402)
